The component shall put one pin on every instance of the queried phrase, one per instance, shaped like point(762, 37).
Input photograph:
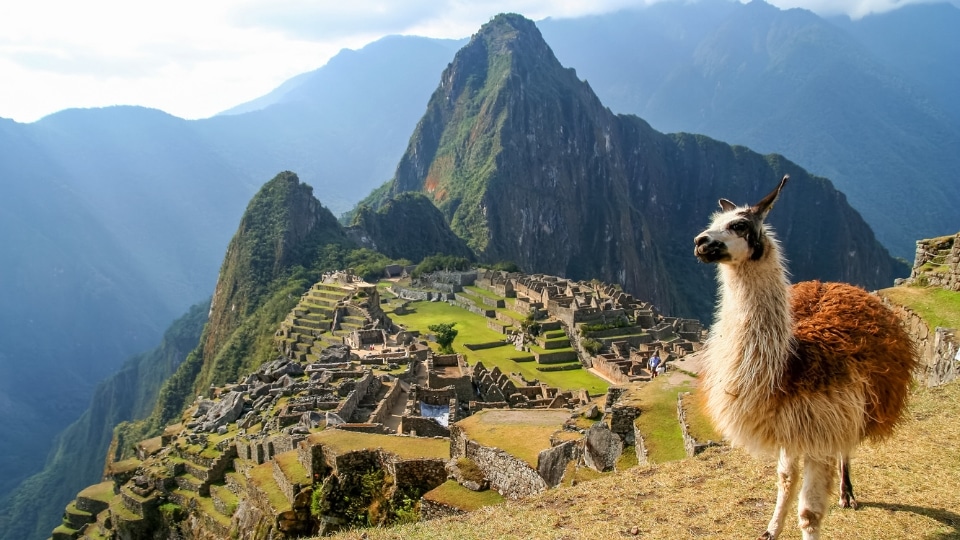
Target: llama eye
point(738, 227)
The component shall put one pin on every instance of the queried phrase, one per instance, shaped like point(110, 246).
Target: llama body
point(806, 372)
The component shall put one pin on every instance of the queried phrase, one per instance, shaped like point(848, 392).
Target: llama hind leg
point(847, 500)
point(787, 475)
point(818, 475)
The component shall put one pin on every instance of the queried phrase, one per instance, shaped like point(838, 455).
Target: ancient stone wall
point(436, 510)
point(511, 477)
point(423, 474)
point(382, 413)
point(939, 349)
point(610, 369)
point(349, 405)
point(937, 263)
point(422, 427)
point(690, 444)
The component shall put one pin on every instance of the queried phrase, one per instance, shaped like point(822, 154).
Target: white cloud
point(193, 59)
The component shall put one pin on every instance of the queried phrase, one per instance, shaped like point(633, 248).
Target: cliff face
point(527, 165)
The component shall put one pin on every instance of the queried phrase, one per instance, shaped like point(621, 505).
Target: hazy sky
point(196, 58)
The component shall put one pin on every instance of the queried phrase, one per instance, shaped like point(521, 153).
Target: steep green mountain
point(408, 227)
point(77, 458)
point(866, 103)
point(527, 165)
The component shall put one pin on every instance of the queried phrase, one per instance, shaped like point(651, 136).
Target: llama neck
point(754, 319)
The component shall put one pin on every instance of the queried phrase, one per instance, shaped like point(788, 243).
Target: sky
point(194, 59)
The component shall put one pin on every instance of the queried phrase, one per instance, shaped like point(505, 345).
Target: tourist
point(654, 363)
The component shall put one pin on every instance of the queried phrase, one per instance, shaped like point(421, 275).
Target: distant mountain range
point(115, 219)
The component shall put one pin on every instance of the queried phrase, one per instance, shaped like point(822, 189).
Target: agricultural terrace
point(936, 306)
point(500, 428)
point(342, 441)
point(472, 328)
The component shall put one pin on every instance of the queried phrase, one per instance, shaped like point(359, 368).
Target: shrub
point(592, 346)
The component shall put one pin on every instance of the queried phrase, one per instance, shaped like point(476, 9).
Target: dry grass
point(907, 488)
point(522, 433)
point(342, 441)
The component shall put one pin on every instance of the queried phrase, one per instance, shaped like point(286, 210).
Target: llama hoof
point(767, 535)
point(848, 502)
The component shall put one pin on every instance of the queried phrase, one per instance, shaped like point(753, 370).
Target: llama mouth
point(711, 253)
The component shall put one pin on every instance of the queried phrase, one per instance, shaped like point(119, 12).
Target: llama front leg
point(847, 500)
point(787, 476)
point(814, 495)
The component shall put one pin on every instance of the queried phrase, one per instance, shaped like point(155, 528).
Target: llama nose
point(701, 240)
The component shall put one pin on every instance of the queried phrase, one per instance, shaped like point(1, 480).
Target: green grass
point(698, 424)
point(628, 458)
point(477, 291)
point(473, 328)
point(936, 306)
point(453, 494)
point(262, 476)
point(99, 492)
point(291, 466)
point(64, 529)
point(658, 421)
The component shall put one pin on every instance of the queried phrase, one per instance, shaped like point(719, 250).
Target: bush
point(592, 346)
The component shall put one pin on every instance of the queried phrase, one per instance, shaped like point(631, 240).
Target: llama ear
point(726, 205)
point(763, 207)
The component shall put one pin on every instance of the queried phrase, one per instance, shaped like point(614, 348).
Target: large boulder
point(223, 412)
point(552, 462)
point(335, 354)
point(602, 448)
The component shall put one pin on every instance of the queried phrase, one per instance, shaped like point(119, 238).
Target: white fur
point(743, 365)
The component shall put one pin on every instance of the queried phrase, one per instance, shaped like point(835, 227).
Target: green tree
point(445, 334)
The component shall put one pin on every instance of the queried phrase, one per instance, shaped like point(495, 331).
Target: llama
point(807, 371)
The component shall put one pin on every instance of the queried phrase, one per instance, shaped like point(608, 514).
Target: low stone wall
point(622, 419)
point(938, 349)
point(487, 345)
point(493, 302)
point(417, 294)
point(555, 357)
point(610, 370)
point(349, 405)
point(690, 444)
point(436, 510)
point(382, 413)
point(423, 474)
point(473, 308)
point(422, 427)
point(511, 477)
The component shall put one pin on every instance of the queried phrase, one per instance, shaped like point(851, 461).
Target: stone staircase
point(315, 322)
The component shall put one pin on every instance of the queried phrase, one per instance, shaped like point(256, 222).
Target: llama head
point(737, 234)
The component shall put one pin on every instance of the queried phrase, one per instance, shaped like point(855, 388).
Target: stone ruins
point(352, 393)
